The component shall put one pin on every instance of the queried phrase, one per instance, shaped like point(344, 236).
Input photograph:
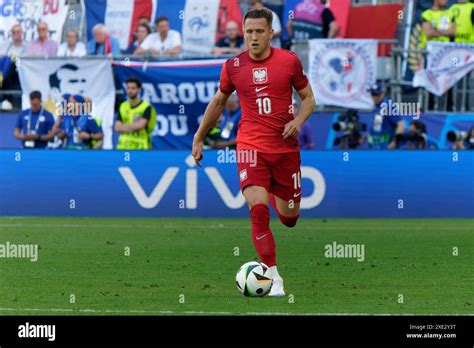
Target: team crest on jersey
point(260, 75)
point(243, 175)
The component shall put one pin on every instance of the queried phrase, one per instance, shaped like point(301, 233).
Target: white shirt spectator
point(79, 50)
point(276, 25)
point(10, 49)
point(153, 41)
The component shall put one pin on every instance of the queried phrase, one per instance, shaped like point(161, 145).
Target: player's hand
point(197, 152)
point(292, 129)
point(30, 136)
point(84, 136)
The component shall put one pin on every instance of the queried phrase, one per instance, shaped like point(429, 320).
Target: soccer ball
point(254, 279)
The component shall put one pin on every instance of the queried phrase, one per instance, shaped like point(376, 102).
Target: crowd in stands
point(312, 19)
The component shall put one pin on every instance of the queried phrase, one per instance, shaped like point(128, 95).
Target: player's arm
point(308, 104)
point(52, 130)
point(140, 123)
point(429, 30)
point(212, 114)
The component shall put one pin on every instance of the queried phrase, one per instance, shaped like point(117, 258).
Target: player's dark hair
point(161, 19)
point(260, 13)
point(35, 95)
point(135, 81)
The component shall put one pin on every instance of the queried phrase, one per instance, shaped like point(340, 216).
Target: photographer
point(391, 125)
point(349, 123)
point(461, 140)
point(415, 139)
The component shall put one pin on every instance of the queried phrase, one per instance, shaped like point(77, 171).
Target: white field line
point(228, 227)
point(157, 312)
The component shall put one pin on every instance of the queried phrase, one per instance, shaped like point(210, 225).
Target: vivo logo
point(191, 193)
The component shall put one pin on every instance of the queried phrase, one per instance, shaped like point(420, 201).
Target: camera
point(349, 123)
point(416, 136)
point(467, 138)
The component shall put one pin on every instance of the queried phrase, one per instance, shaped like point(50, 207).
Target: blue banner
point(362, 184)
point(179, 91)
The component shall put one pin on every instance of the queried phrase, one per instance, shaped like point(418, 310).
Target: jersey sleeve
point(300, 80)
point(425, 17)
point(147, 113)
point(93, 127)
point(19, 121)
point(226, 85)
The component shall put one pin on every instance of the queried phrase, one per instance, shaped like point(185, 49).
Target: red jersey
point(265, 89)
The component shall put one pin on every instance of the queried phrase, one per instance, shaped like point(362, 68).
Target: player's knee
point(289, 221)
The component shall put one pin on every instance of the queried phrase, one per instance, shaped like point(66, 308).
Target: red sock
point(262, 235)
point(289, 221)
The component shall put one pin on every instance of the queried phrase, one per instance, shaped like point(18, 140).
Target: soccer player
point(264, 78)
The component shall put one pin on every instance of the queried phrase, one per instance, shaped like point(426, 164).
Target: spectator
point(276, 24)
point(305, 137)
point(392, 125)
point(312, 20)
point(143, 30)
point(43, 46)
point(72, 47)
point(232, 43)
point(17, 46)
point(77, 128)
point(229, 123)
point(164, 41)
point(102, 43)
point(35, 126)
point(462, 14)
point(144, 20)
point(437, 24)
point(136, 119)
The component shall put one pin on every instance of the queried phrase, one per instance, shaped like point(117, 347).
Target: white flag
point(87, 78)
point(447, 64)
point(342, 71)
point(199, 25)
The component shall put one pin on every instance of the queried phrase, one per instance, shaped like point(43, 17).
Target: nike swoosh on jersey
point(258, 89)
point(296, 194)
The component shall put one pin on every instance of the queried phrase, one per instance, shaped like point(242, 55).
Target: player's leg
point(262, 236)
point(285, 192)
point(288, 211)
point(255, 183)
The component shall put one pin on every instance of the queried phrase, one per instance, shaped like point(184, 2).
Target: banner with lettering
point(179, 91)
point(28, 13)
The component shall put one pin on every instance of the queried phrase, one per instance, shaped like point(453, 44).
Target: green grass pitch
point(188, 266)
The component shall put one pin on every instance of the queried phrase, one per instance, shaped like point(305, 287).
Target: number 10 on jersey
point(264, 106)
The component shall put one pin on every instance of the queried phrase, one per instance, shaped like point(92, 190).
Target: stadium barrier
point(353, 184)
